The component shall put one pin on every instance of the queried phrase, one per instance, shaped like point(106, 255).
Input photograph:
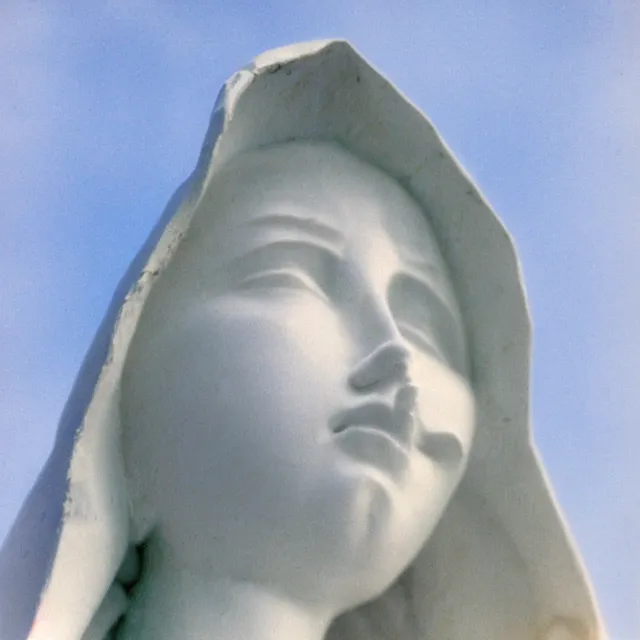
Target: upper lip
point(397, 421)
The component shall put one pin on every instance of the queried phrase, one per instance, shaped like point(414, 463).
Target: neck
point(173, 602)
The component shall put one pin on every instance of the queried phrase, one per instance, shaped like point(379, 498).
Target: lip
point(385, 435)
point(377, 433)
point(375, 415)
point(370, 444)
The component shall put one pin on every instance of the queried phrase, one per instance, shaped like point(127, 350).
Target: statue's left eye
point(292, 279)
point(421, 341)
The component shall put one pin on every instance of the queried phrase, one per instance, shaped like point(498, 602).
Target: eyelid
point(288, 276)
point(418, 304)
point(424, 343)
point(321, 263)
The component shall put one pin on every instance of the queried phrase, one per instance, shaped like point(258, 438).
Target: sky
point(103, 108)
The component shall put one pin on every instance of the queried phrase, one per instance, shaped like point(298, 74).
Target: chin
point(381, 545)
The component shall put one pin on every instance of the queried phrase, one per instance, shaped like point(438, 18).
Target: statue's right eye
point(288, 279)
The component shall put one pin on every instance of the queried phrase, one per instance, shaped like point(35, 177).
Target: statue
point(305, 414)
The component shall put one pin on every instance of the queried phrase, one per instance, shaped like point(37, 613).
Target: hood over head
point(501, 550)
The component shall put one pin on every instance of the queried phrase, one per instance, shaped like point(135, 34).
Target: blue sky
point(102, 111)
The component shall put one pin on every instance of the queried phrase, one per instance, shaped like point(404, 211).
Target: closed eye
point(429, 321)
point(421, 341)
point(292, 279)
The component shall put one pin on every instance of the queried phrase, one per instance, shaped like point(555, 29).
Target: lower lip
point(374, 446)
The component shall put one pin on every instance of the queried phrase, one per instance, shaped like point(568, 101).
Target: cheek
point(237, 374)
point(282, 355)
point(445, 402)
point(446, 405)
point(227, 411)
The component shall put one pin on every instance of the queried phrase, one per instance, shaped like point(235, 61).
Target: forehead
point(319, 182)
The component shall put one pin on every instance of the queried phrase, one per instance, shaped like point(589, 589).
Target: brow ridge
point(308, 224)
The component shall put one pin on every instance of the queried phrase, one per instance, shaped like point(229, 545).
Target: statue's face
point(296, 403)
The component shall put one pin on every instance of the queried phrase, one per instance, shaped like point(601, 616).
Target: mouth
point(375, 416)
point(375, 447)
point(378, 433)
point(389, 434)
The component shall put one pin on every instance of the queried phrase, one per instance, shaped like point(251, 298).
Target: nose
point(387, 365)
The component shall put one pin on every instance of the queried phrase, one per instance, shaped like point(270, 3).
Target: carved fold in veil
point(500, 555)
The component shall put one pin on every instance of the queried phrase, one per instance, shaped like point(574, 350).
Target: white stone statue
point(305, 414)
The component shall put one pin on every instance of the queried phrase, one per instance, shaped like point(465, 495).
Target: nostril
point(388, 363)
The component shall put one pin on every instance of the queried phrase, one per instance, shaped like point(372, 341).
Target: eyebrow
point(306, 224)
point(432, 276)
point(446, 301)
point(420, 265)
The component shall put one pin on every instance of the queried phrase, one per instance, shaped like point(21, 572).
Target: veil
point(501, 554)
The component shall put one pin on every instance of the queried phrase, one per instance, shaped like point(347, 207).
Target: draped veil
point(500, 564)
